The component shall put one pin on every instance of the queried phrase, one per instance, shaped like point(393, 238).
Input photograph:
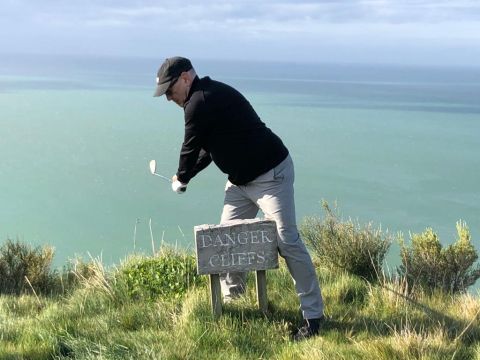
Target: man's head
point(174, 79)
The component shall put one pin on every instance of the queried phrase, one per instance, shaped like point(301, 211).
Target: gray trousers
point(272, 192)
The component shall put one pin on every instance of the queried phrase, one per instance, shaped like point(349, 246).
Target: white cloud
point(420, 19)
point(252, 27)
point(224, 13)
point(147, 11)
point(383, 11)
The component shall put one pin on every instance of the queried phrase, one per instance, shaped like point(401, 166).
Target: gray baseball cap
point(170, 70)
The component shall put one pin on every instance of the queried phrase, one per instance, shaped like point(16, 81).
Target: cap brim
point(161, 89)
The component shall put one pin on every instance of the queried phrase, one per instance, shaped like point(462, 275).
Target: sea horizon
point(392, 144)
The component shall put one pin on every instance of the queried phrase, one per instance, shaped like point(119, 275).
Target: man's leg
point(236, 206)
point(274, 193)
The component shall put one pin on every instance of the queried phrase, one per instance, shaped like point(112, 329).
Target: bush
point(19, 262)
point(78, 273)
point(168, 274)
point(348, 246)
point(427, 265)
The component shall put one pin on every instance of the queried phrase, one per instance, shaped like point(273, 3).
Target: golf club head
point(153, 166)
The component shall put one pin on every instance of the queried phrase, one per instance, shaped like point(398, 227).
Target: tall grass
point(101, 319)
point(158, 308)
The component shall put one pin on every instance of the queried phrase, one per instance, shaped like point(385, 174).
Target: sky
point(443, 32)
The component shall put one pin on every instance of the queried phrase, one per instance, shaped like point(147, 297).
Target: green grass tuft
point(169, 274)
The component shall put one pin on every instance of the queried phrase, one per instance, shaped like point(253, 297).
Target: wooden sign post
point(238, 246)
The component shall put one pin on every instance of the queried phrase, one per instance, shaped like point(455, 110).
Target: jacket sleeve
point(204, 159)
point(193, 158)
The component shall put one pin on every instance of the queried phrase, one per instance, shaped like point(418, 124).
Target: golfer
point(221, 126)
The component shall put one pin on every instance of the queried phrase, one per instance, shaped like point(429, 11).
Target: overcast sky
point(391, 31)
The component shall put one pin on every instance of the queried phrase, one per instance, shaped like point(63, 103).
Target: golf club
point(153, 168)
point(177, 186)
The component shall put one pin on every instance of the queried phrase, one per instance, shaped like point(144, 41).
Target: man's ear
point(184, 77)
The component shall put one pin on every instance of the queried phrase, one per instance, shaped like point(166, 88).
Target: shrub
point(168, 274)
point(19, 262)
point(79, 273)
point(348, 246)
point(427, 265)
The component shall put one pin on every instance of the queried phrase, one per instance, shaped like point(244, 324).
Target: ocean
point(394, 145)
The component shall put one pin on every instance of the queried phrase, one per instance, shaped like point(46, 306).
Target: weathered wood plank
point(216, 295)
point(261, 280)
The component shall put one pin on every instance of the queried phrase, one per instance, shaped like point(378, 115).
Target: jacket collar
point(193, 88)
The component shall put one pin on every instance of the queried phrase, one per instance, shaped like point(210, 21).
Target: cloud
point(223, 13)
point(245, 27)
point(376, 11)
point(267, 19)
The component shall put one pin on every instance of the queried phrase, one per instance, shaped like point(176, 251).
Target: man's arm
point(193, 158)
point(204, 159)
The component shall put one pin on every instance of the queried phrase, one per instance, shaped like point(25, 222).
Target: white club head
point(153, 166)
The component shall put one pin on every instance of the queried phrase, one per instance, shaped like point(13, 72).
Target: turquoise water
point(396, 146)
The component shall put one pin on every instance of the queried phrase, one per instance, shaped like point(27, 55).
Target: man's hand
point(177, 186)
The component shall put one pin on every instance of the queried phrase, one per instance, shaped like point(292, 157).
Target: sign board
point(237, 246)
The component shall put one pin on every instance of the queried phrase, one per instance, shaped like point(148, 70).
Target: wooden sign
point(238, 246)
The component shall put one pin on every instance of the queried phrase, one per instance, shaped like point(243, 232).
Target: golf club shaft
point(163, 177)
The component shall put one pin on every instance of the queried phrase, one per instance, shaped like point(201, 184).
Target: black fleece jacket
point(221, 125)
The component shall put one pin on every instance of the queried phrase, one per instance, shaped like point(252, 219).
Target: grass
point(102, 319)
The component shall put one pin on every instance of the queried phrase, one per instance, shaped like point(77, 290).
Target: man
point(221, 126)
